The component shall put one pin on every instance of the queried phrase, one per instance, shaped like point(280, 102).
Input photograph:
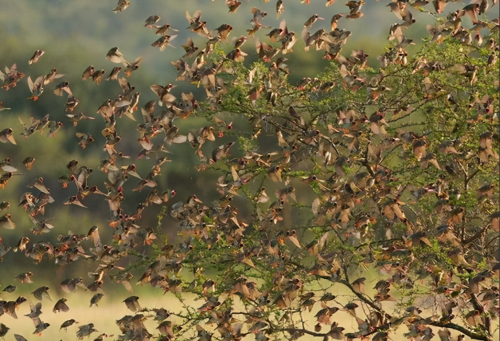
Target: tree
point(389, 171)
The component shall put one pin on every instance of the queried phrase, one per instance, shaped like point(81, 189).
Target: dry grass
point(111, 308)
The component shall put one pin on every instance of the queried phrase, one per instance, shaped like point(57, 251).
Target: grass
point(111, 309)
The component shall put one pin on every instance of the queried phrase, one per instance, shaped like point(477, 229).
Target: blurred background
point(76, 34)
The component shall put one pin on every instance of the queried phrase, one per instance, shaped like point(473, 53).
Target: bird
point(67, 323)
point(121, 6)
point(25, 277)
point(10, 288)
point(163, 42)
point(3, 330)
point(85, 330)
point(69, 285)
point(51, 76)
point(36, 56)
point(342, 151)
point(28, 162)
point(41, 327)
point(95, 299)
point(114, 55)
point(61, 306)
point(41, 293)
point(152, 20)
point(6, 136)
point(132, 303)
point(36, 87)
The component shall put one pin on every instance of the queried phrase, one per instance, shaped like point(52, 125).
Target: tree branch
point(300, 330)
point(463, 330)
point(360, 296)
point(475, 236)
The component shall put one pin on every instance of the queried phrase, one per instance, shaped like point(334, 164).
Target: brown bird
point(163, 42)
point(49, 78)
point(312, 20)
point(36, 56)
point(233, 5)
point(132, 66)
point(121, 6)
point(472, 11)
point(95, 299)
point(97, 76)
point(152, 20)
point(113, 75)
point(196, 25)
point(89, 71)
point(85, 330)
point(85, 139)
point(67, 324)
point(36, 87)
point(61, 306)
point(3, 330)
point(28, 162)
point(6, 136)
point(25, 277)
point(22, 244)
point(41, 292)
point(5, 220)
point(335, 20)
point(69, 285)
point(355, 7)
point(132, 303)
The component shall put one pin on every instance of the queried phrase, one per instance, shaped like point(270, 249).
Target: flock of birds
point(158, 130)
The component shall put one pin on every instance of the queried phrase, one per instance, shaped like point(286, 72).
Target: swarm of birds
point(338, 198)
